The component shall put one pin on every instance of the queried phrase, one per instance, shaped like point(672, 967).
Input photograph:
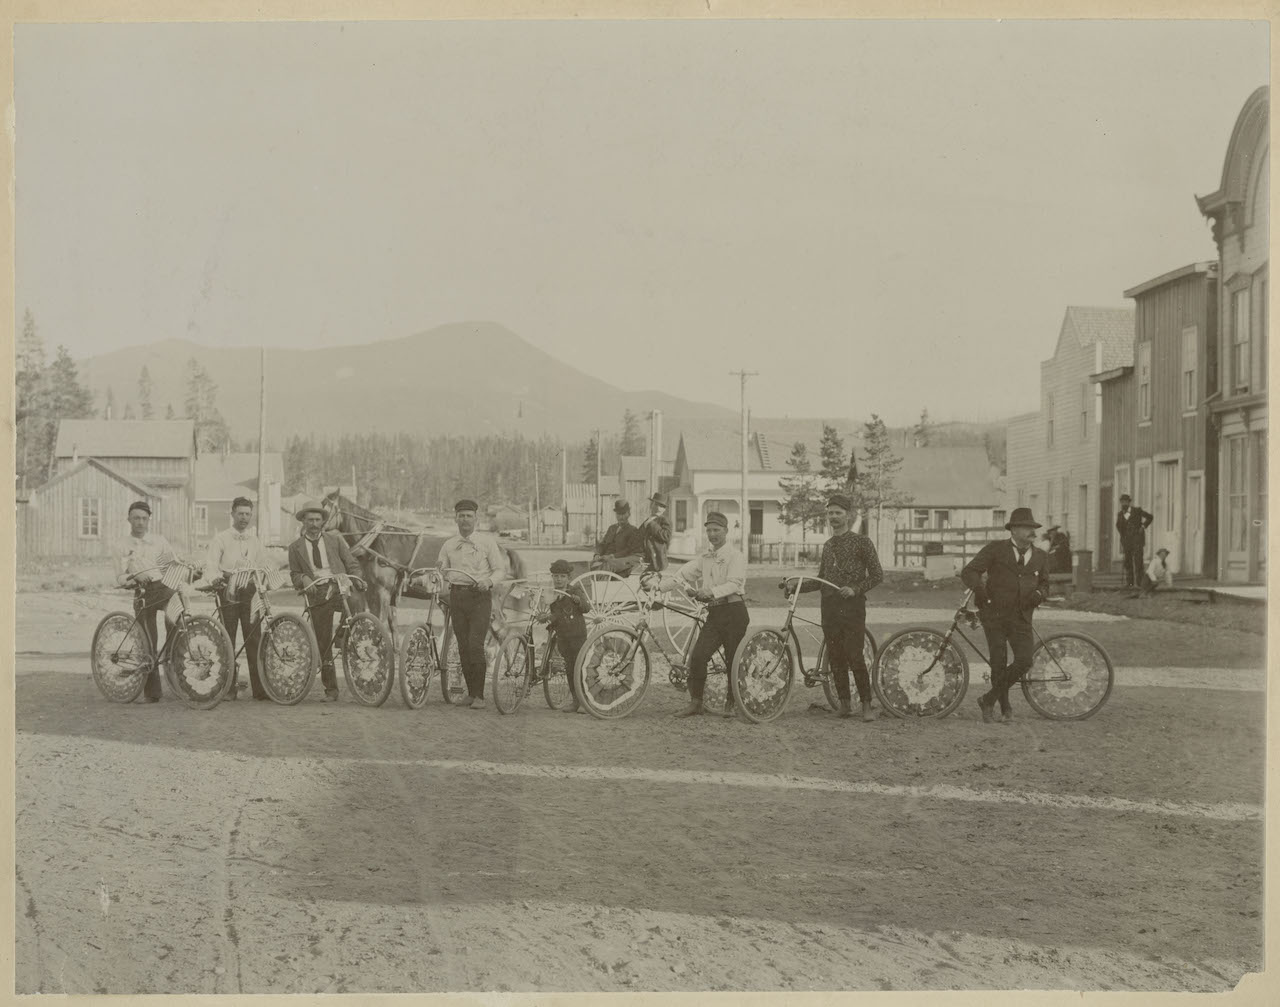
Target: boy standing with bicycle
point(566, 622)
point(1016, 581)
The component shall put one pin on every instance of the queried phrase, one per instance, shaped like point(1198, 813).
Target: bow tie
point(240, 536)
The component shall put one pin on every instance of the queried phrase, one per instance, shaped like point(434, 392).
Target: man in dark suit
point(1008, 579)
point(314, 554)
point(657, 533)
point(622, 548)
point(1132, 523)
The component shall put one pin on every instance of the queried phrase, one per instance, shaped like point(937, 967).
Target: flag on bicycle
point(175, 575)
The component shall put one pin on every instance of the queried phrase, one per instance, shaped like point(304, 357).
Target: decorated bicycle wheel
point(418, 667)
point(288, 656)
point(824, 666)
point(453, 686)
point(555, 676)
point(612, 672)
point(120, 657)
point(613, 599)
point(368, 659)
point(920, 673)
point(764, 672)
point(510, 680)
point(1070, 677)
point(202, 662)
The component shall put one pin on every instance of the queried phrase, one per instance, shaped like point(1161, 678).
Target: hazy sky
point(877, 216)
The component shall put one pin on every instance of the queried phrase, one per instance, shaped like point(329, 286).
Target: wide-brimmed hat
point(1022, 516)
point(621, 506)
point(1162, 551)
point(659, 499)
point(307, 508)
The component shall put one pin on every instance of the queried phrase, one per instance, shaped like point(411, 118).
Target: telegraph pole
point(599, 504)
point(264, 501)
point(744, 514)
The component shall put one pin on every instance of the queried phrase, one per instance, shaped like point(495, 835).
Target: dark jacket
point(566, 614)
point(1133, 529)
point(336, 551)
point(1008, 588)
point(621, 540)
point(657, 536)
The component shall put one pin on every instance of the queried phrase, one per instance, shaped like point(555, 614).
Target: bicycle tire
point(676, 627)
point(869, 652)
point(555, 676)
point(899, 674)
point(368, 659)
point(202, 662)
point(511, 674)
point(288, 656)
point(716, 689)
point(1082, 694)
point(609, 686)
point(417, 666)
point(120, 657)
point(764, 672)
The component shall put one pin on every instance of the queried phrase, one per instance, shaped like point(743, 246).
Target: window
point(1240, 341)
point(682, 515)
point(1144, 381)
point(1123, 486)
point(1022, 497)
point(1048, 411)
point(202, 519)
point(999, 517)
point(1065, 498)
point(919, 519)
point(1049, 501)
point(941, 519)
point(1260, 484)
point(1237, 532)
point(1190, 398)
point(1084, 411)
point(90, 517)
point(1142, 492)
point(1082, 508)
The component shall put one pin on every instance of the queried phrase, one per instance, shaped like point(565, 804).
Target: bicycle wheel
point(764, 671)
point(920, 673)
point(417, 666)
point(120, 657)
point(613, 600)
point(202, 662)
point(612, 672)
point(676, 627)
point(511, 674)
point(824, 668)
point(453, 686)
point(555, 676)
point(1070, 677)
point(368, 659)
point(288, 656)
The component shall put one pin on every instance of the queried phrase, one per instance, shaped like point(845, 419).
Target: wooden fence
point(963, 543)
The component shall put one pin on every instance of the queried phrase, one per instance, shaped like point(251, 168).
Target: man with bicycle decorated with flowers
point(140, 566)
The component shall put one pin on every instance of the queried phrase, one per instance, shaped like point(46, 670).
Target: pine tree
point(834, 472)
point(31, 403)
point(633, 441)
point(201, 406)
point(109, 410)
point(589, 461)
point(803, 503)
point(67, 400)
point(144, 393)
point(874, 489)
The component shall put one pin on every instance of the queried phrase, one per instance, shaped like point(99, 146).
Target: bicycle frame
point(341, 581)
point(160, 655)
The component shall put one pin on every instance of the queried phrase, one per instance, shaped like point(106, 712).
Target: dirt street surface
point(334, 848)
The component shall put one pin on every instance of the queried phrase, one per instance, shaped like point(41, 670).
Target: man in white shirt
point(232, 549)
point(1158, 573)
point(470, 603)
point(719, 579)
point(140, 564)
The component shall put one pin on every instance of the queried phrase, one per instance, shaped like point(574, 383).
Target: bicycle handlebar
point(338, 579)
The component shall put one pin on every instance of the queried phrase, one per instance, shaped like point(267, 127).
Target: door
point(1193, 555)
point(1104, 561)
point(1167, 527)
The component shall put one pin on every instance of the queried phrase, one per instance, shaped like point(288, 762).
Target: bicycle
point(453, 685)
point(419, 653)
point(764, 667)
point(287, 649)
point(514, 671)
point(921, 672)
point(196, 654)
point(367, 660)
point(613, 668)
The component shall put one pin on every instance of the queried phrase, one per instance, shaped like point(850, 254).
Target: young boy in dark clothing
point(566, 622)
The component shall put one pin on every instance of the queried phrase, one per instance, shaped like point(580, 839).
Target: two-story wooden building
point(1156, 442)
point(1238, 210)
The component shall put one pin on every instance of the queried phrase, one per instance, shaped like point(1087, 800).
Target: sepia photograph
point(640, 505)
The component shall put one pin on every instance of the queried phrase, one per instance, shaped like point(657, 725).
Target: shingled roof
point(126, 439)
point(1112, 327)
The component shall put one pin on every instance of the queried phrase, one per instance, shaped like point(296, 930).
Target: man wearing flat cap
point(314, 554)
point(656, 531)
point(470, 566)
point(849, 561)
point(140, 564)
point(1009, 578)
point(719, 578)
point(622, 548)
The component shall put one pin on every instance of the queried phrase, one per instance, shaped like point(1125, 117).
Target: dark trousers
point(323, 608)
point(570, 646)
point(469, 611)
point(155, 596)
point(844, 626)
point(1005, 630)
point(237, 614)
point(725, 627)
point(1133, 566)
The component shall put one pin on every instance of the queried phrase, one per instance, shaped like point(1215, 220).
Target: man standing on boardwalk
point(470, 604)
point(1008, 579)
point(1132, 524)
point(850, 562)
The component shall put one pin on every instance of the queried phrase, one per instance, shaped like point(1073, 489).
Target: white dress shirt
point(721, 571)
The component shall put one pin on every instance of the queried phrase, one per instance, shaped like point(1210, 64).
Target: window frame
point(1144, 382)
point(92, 515)
point(1190, 369)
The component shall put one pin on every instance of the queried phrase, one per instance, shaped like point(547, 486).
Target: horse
point(387, 552)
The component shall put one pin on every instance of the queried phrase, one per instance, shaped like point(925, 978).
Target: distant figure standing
point(1132, 523)
point(1158, 573)
point(656, 530)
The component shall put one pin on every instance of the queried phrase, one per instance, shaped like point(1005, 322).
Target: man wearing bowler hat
point(314, 554)
point(656, 530)
point(470, 603)
point(622, 548)
point(1009, 579)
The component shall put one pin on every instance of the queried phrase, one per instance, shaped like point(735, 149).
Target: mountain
point(465, 377)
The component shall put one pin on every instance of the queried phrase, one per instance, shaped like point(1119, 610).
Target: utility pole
point(564, 497)
point(537, 501)
point(744, 514)
point(599, 505)
point(264, 498)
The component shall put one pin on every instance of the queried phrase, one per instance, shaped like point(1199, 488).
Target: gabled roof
point(1112, 327)
point(126, 438)
point(718, 448)
point(225, 477)
point(947, 477)
point(141, 488)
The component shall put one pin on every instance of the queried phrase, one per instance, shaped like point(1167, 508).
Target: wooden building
point(1238, 210)
point(633, 484)
point(157, 454)
point(81, 512)
point(1156, 441)
point(220, 478)
point(587, 517)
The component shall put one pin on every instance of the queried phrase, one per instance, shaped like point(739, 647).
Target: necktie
point(315, 553)
point(1022, 559)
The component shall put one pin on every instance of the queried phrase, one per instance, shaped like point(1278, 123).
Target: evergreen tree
point(30, 404)
point(874, 489)
point(109, 410)
point(67, 400)
point(803, 503)
point(633, 441)
point(201, 406)
point(834, 472)
point(144, 393)
point(589, 461)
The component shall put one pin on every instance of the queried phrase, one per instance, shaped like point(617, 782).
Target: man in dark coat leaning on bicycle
point(1016, 581)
